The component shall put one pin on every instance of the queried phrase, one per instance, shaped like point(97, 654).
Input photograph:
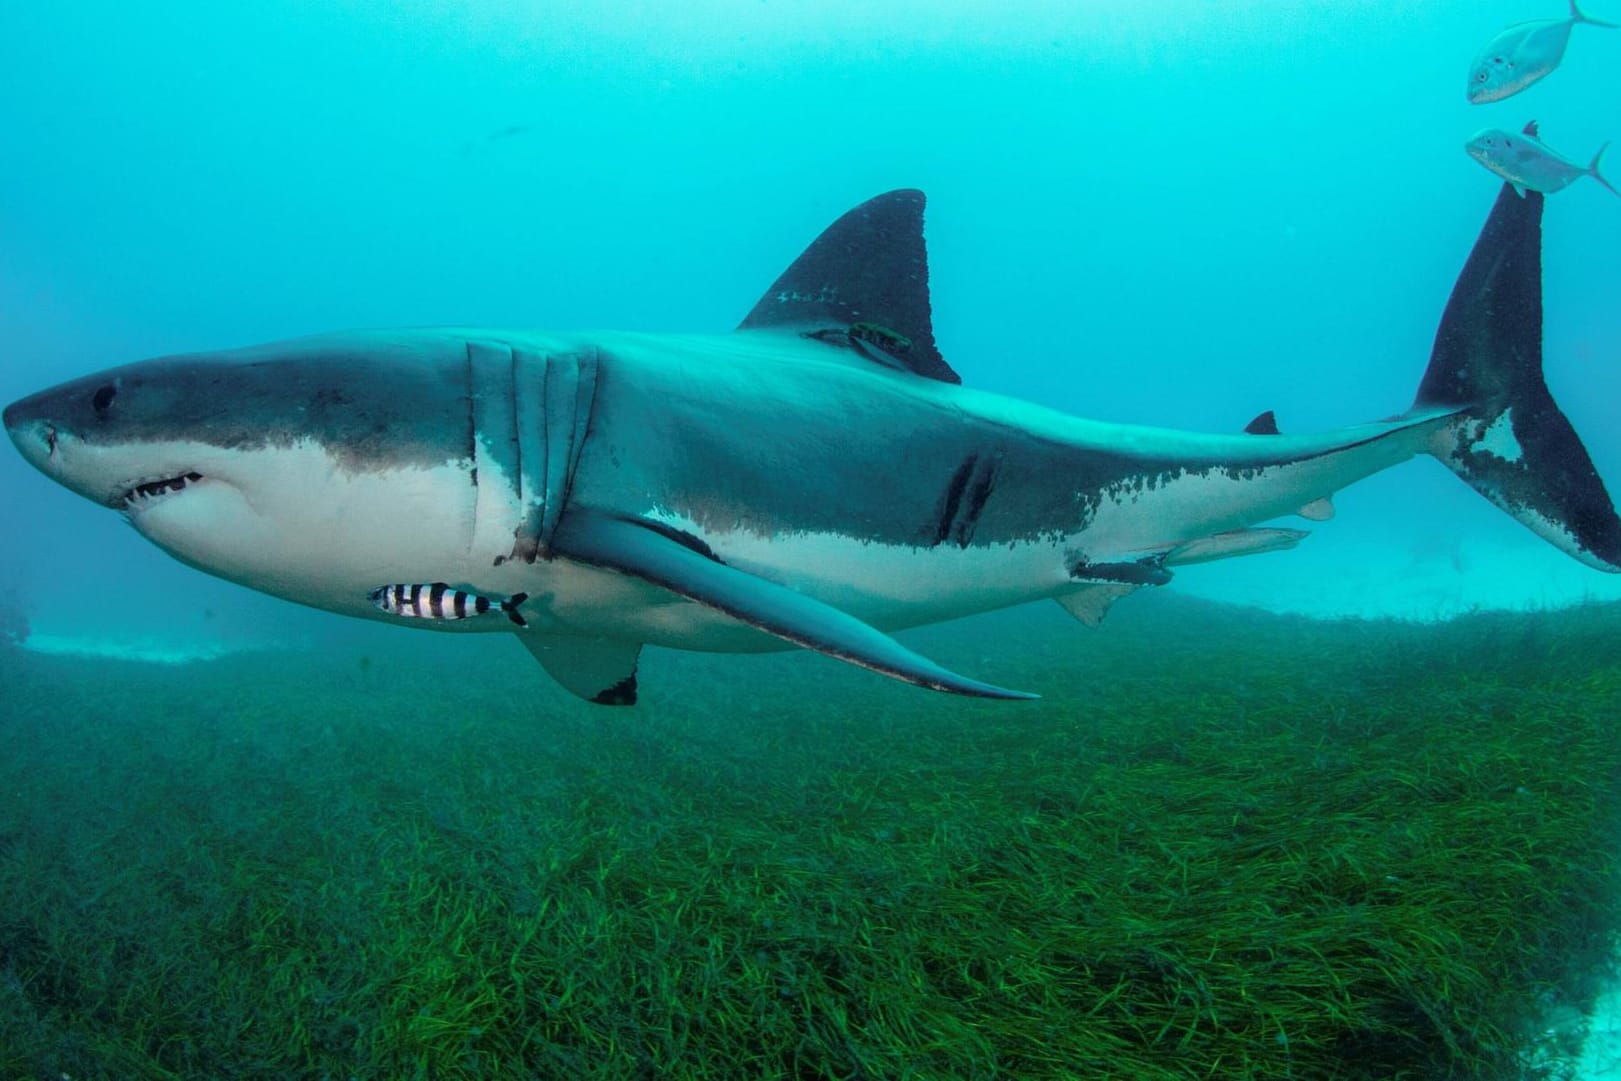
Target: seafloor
point(1225, 844)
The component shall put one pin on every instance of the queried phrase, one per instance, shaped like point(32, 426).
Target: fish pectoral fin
point(599, 670)
point(685, 566)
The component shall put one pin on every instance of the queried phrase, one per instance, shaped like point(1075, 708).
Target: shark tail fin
point(1576, 16)
point(1592, 170)
point(1498, 426)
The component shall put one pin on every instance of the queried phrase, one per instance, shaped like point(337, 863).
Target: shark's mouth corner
point(142, 494)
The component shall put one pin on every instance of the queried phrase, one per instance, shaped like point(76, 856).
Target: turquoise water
point(1165, 213)
point(1155, 212)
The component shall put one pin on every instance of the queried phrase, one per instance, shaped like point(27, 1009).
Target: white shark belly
point(1130, 524)
point(897, 586)
point(892, 586)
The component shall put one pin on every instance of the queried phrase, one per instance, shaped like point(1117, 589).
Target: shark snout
point(29, 430)
point(13, 415)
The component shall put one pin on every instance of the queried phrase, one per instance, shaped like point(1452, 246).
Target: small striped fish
point(438, 601)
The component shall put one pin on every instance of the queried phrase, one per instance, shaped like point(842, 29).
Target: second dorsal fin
point(868, 269)
point(1265, 424)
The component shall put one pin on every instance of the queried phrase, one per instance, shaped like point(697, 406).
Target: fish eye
point(103, 398)
point(1481, 76)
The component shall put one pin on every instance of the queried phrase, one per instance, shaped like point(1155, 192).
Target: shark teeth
point(146, 491)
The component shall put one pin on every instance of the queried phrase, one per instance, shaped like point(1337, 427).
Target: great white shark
point(816, 477)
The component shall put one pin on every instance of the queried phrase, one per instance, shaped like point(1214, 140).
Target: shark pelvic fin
point(1089, 603)
point(599, 670)
point(647, 551)
point(868, 269)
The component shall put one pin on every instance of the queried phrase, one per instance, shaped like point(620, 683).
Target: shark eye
point(103, 398)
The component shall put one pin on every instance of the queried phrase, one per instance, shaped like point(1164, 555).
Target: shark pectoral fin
point(1091, 602)
point(684, 566)
point(600, 670)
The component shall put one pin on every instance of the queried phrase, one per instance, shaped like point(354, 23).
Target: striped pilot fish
point(438, 601)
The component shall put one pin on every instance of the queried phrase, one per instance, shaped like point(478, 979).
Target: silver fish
point(437, 600)
point(1522, 54)
point(1526, 162)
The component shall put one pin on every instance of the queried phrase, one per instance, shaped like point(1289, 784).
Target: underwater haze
point(1349, 810)
point(1177, 214)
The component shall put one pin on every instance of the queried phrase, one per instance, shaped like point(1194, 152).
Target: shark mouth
point(141, 495)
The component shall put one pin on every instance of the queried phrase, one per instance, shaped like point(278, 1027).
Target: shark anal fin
point(599, 670)
point(868, 269)
point(643, 551)
point(1318, 510)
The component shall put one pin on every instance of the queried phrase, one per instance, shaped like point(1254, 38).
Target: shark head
point(259, 464)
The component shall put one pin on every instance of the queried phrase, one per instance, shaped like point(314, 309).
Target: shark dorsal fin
point(1531, 130)
point(868, 268)
point(1265, 424)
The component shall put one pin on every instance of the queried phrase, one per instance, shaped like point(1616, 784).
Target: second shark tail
point(1507, 438)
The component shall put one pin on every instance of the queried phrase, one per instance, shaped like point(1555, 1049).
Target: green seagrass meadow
point(1224, 845)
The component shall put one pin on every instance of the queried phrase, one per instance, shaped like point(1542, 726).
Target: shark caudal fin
point(1508, 439)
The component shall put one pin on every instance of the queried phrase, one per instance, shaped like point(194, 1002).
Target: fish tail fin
point(1577, 17)
point(1497, 426)
point(510, 607)
point(1592, 170)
